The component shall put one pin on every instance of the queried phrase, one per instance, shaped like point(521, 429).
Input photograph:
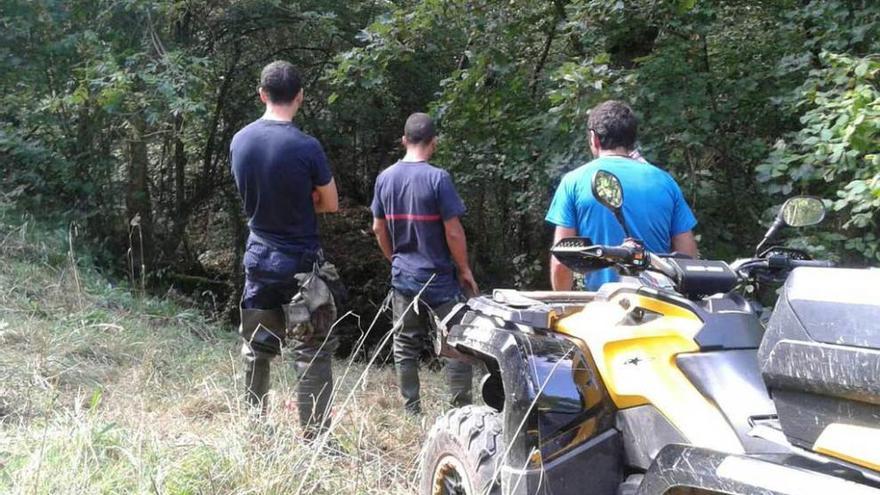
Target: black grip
point(616, 252)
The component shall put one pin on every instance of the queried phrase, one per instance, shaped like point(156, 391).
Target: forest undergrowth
point(104, 391)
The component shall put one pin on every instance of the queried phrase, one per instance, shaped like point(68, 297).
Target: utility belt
point(307, 316)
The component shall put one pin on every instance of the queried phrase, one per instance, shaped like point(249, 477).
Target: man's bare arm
point(685, 243)
point(326, 198)
point(457, 242)
point(561, 277)
point(383, 237)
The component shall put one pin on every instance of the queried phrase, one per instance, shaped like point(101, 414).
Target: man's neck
point(416, 155)
point(620, 151)
point(281, 113)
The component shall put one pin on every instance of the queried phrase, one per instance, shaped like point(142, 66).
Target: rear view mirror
point(609, 193)
point(799, 211)
point(802, 211)
point(607, 190)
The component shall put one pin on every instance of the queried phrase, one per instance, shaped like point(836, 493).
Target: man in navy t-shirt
point(654, 208)
point(283, 178)
point(416, 213)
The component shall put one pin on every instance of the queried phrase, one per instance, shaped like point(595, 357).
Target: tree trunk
point(179, 165)
point(210, 143)
point(137, 202)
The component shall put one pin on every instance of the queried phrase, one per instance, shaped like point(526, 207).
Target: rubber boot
point(459, 378)
point(313, 395)
point(408, 381)
point(261, 331)
point(256, 381)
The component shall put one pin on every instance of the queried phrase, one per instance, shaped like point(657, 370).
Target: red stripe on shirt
point(410, 216)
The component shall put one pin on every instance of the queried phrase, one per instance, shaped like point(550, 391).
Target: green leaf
point(858, 186)
point(685, 6)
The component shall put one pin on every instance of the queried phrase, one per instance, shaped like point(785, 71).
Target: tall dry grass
point(103, 392)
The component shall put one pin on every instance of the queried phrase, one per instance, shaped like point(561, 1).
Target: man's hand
point(457, 243)
point(468, 284)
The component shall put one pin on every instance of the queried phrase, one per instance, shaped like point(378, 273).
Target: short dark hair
point(281, 82)
point(615, 125)
point(419, 128)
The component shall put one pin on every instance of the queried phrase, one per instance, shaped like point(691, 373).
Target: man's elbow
point(327, 206)
point(555, 267)
point(685, 243)
point(453, 235)
point(561, 278)
point(453, 230)
point(326, 198)
point(456, 238)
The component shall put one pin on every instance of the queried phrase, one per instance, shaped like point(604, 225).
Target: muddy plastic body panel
point(820, 356)
point(559, 433)
point(732, 380)
point(679, 468)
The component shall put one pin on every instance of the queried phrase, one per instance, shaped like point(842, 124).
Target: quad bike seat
point(820, 359)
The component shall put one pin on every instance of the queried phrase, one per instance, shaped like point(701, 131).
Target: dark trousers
point(270, 283)
point(409, 341)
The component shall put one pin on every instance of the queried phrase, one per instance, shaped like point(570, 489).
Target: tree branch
point(533, 84)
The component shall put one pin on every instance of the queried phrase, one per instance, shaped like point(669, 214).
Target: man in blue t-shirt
point(416, 214)
point(283, 178)
point(654, 208)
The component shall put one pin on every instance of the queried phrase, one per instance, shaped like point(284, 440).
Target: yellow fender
point(637, 364)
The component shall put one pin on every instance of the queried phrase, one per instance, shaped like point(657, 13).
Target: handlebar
point(813, 263)
point(659, 264)
point(774, 268)
point(582, 256)
point(786, 263)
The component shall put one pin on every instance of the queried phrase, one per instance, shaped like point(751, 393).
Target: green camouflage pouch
point(312, 311)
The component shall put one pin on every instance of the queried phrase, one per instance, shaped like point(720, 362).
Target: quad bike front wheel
point(462, 453)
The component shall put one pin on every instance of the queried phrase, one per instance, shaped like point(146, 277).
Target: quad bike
point(668, 382)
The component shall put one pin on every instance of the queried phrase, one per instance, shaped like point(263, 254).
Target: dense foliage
point(118, 115)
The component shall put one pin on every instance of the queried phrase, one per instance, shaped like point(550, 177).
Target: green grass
point(105, 392)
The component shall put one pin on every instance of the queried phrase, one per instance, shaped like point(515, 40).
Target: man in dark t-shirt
point(283, 178)
point(416, 214)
